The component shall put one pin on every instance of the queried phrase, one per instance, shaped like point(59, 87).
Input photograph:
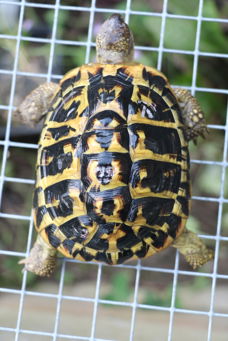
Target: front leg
point(36, 104)
point(192, 114)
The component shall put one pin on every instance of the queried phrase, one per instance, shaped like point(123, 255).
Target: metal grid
point(96, 300)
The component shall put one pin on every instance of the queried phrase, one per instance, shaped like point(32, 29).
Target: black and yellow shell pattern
point(113, 167)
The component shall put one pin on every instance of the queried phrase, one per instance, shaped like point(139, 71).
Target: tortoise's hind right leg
point(36, 104)
point(193, 249)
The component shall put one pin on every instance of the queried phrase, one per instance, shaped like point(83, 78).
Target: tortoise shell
point(113, 165)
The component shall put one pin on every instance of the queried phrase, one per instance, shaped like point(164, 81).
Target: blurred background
point(193, 291)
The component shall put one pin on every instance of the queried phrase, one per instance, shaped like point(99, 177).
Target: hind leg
point(41, 259)
point(193, 249)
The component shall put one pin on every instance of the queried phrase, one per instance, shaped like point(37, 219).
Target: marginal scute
point(113, 166)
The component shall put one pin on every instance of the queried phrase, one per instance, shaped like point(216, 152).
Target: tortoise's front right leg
point(192, 114)
point(36, 104)
point(41, 259)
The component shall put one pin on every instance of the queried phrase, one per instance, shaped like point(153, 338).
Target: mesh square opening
point(39, 313)
point(193, 292)
point(189, 327)
point(9, 315)
point(75, 318)
point(80, 279)
point(151, 323)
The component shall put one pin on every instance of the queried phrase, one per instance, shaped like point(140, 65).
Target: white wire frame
point(7, 143)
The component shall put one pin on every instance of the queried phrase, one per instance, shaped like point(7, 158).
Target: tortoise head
point(114, 43)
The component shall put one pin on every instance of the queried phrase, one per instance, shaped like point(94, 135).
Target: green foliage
point(200, 283)
point(183, 7)
point(11, 274)
point(161, 298)
point(120, 287)
point(225, 221)
point(184, 32)
point(121, 290)
point(193, 224)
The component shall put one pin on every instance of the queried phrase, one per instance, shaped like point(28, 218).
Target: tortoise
point(112, 174)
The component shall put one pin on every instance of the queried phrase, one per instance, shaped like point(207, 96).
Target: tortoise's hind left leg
point(36, 104)
point(41, 259)
point(192, 114)
point(192, 247)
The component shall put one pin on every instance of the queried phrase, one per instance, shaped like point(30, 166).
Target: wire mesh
point(18, 332)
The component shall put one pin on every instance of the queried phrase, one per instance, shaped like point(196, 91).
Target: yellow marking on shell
point(157, 90)
point(112, 240)
point(184, 176)
point(109, 69)
point(115, 145)
point(59, 235)
point(142, 153)
point(95, 147)
point(136, 247)
point(164, 227)
point(142, 192)
point(177, 208)
point(139, 220)
point(138, 118)
point(114, 105)
point(115, 181)
point(44, 236)
point(149, 240)
point(65, 252)
point(67, 103)
point(112, 247)
point(67, 91)
point(46, 219)
point(151, 251)
point(112, 185)
point(97, 124)
point(70, 74)
point(91, 251)
point(135, 96)
point(170, 103)
point(84, 78)
point(68, 174)
point(55, 105)
point(136, 72)
point(113, 218)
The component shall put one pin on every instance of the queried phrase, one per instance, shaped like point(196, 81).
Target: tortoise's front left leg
point(41, 259)
point(192, 114)
point(194, 250)
point(36, 104)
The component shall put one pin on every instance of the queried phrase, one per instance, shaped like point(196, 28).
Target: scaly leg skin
point(41, 260)
point(192, 114)
point(194, 250)
point(36, 104)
